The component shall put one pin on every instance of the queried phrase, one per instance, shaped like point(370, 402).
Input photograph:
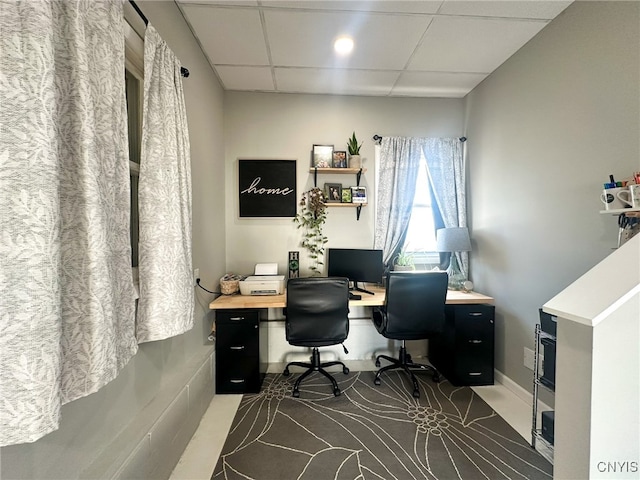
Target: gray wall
point(99, 432)
point(267, 125)
point(545, 131)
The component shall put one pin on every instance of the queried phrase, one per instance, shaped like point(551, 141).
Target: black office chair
point(413, 310)
point(317, 316)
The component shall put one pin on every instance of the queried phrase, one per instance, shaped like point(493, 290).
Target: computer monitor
point(358, 265)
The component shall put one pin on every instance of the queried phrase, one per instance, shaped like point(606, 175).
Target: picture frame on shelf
point(333, 192)
point(339, 159)
point(346, 195)
point(322, 156)
point(358, 195)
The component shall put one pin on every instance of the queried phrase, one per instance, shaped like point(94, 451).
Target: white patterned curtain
point(166, 283)
point(398, 172)
point(67, 299)
point(446, 171)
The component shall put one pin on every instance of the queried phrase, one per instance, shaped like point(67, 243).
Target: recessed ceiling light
point(343, 45)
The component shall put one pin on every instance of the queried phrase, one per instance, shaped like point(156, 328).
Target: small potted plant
point(353, 148)
point(403, 262)
point(311, 218)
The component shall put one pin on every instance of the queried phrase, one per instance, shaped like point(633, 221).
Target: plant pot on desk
point(404, 268)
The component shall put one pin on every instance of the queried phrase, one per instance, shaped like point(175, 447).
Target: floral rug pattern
point(372, 432)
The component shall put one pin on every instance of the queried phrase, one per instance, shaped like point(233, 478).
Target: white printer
point(265, 281)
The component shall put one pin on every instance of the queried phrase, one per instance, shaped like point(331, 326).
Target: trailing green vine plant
point(311, 218)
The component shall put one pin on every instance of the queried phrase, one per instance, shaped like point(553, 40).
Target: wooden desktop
point(463, 353)
point(237, 301)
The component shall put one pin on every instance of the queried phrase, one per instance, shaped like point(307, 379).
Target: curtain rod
point(183, 70)
point(377, 138)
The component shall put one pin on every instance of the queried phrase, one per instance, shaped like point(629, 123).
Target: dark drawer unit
point(238, 367)
point(464, 351)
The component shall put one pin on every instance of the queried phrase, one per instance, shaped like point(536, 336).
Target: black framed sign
point(267, 188)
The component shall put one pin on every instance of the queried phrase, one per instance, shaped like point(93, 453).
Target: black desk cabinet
point(464, 351)
point(238, 367)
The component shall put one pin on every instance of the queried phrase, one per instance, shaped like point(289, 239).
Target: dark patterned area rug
point(372, 432)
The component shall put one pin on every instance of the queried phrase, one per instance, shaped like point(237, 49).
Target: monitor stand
point(358, 289)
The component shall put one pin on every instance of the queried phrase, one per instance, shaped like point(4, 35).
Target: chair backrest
point(317, 311)
point(414, 304)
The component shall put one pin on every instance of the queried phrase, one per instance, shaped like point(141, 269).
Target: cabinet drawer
point(471, 312)
point(236, 367)
point(238, 338)
point(474, 365)
point(226, 383)
point(237, 316)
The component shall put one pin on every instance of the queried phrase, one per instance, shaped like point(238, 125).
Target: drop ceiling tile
point(305, 39)
point(540, 9)
point(412, 6)
point(230, 36)
point(246, 78)
point(436, 84)
point(464, 44)
point(334, 81)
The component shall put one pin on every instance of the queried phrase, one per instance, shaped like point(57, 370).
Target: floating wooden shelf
point(337, 204)
point(349, 171)
point(342, 171)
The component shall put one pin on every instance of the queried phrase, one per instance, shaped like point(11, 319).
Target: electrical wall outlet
point(196, 276)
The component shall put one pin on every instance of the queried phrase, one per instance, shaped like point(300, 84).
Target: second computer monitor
point(358, 265)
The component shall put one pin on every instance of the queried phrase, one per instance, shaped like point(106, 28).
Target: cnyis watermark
point(628, 466)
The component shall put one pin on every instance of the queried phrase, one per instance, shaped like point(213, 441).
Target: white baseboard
point(522, 393)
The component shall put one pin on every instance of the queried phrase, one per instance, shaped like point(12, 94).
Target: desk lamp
point(454, 240)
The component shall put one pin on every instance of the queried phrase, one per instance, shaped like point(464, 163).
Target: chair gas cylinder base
point(413, 310)
point(315, 366)
point(405, 363)
point(317, 316)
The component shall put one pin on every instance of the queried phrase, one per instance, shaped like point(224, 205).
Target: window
point(421, 234)
point(134, 64)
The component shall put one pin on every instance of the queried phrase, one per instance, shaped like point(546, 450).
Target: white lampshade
point(453, 240)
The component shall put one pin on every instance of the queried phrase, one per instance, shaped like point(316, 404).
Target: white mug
point(630, 196)
point(611, 200)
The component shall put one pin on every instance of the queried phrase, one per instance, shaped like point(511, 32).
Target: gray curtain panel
point(446, 171)
point(166, 303)
point(67, 300)
point(398, 171)
point(399, 162)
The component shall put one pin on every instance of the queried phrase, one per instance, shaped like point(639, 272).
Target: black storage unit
point(463, 353)
point(542, 436)
point(548, 378)
point(548, 323)
point(238, 366)
point(548, 420)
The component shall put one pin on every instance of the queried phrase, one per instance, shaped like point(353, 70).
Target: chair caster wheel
point(377, 363)
point(286, 372)
point(336, 392)
point(345, 370)
point(376, 381)
point(416, 394)
point(296, 393)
